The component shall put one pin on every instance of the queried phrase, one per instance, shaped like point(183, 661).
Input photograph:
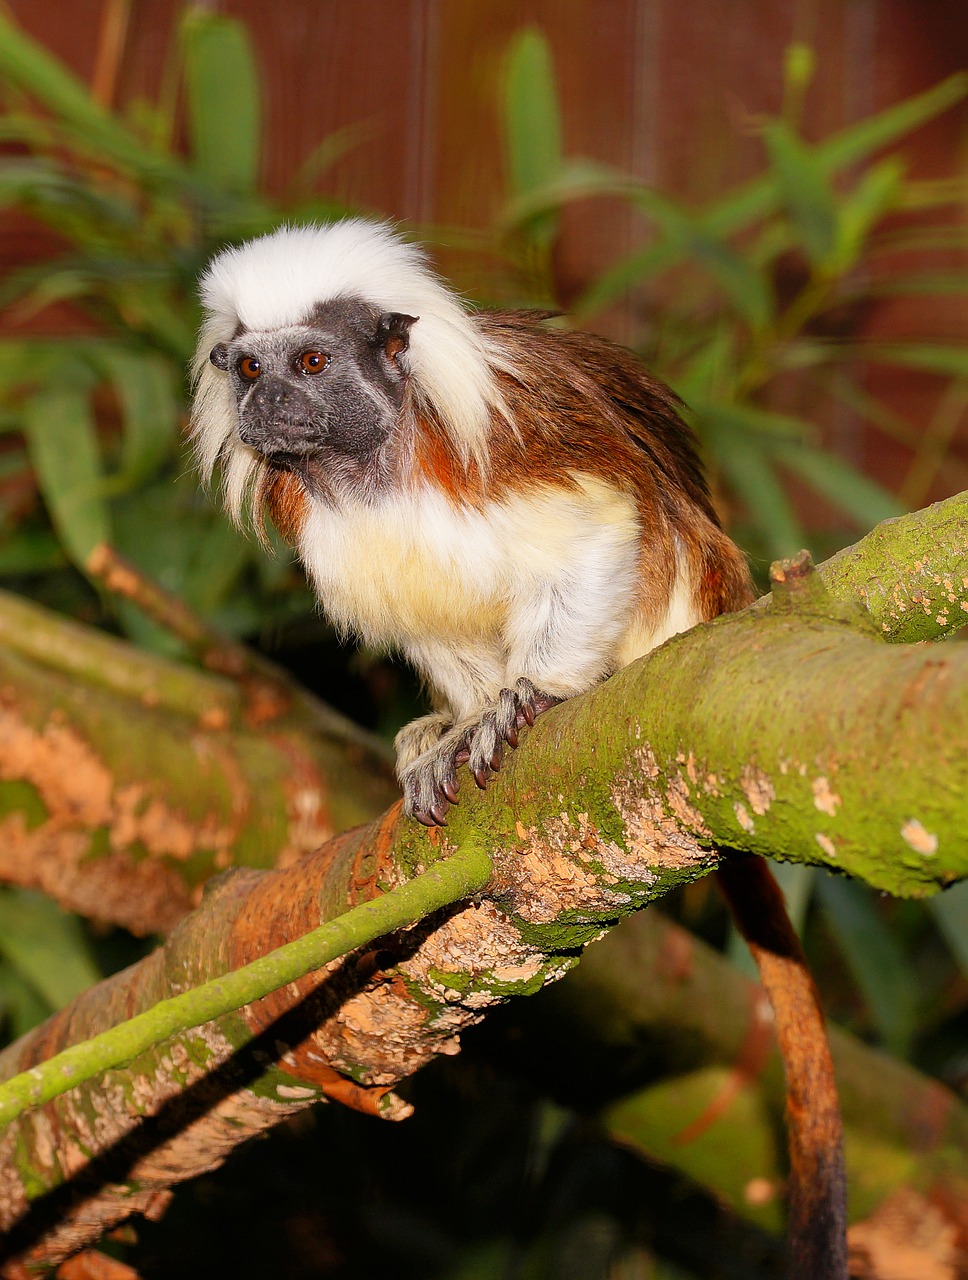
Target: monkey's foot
point(430, 782)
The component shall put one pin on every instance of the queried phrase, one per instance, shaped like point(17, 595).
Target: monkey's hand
point(428, 773)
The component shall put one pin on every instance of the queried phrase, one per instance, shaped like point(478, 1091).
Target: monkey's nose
point(271, 393)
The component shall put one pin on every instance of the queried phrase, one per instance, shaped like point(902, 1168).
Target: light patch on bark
point(82, 798)
point(390, 1030)
point(115, 886)
point(552, 874)
point(824, 797)
point(760, 1191)
point(920, 840)
point(907, 1237)
point(690, 762)
point(826, 844)
point(684, 811)
point(743, 817)
point(758, 788)
point(653, 835)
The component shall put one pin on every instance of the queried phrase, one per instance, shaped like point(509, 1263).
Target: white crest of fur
point(275, 280)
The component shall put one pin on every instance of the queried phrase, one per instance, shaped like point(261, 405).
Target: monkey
point(517, 508)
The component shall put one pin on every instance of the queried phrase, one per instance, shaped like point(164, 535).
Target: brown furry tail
point(818, 1184)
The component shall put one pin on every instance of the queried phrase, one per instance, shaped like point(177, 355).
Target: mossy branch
point(127, 780)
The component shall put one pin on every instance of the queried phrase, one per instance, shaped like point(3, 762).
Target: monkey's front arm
point(566, 611)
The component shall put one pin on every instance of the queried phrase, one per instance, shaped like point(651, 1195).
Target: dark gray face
point(322, 396)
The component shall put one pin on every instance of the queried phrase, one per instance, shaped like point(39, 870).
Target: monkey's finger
point(526, 713)
point(497, 758)
point(511, 736)
point(480, 777)
point(426, 818)
point(449, 787)
point(438, 812)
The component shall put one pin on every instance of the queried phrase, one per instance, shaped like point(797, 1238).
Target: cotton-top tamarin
point(517, 508)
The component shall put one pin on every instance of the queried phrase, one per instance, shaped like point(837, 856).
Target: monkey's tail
point(817, 1230)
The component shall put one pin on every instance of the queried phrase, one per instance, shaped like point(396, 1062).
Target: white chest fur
point(413, 565)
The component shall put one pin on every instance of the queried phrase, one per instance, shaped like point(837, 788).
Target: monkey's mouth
point(284, 438)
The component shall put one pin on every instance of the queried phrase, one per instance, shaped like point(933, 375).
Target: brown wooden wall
point(659, 87)
point(664, 88)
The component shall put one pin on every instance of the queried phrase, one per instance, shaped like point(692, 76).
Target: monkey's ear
point(393, 332)
point(219, 356)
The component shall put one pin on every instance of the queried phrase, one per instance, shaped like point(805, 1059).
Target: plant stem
point(450, 880)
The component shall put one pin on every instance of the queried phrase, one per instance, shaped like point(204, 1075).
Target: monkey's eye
point(312, 362)
point(250, 367)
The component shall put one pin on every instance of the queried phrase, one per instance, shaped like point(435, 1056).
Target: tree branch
point(126, 780)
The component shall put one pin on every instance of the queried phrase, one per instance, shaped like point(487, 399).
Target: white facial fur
point(274, 281)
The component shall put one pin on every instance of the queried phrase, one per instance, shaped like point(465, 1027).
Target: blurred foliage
point(753, 308)
point(91, 422)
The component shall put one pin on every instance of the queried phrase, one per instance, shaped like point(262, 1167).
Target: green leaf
point(332, 148)
point(706, 366)
point(866, 205)
point(531, 123)
point(224, 99)
point(860, 497)
point(29, 551)
point(805, 192)
point(531, 114)
point(738, 278)
point(917, 283)
point(742, 421)
point(932, 357)
point(950, 911)
point(748, 204)
point(51, 286)
point(64, 450)
point(571, 180)
point(145, 387)
point(799, 65)
point(25, 63)
point(736, 275)
point(880, 969)
point(21, 1007)
point(861, 140)
point(750, 473)
point(47, 946)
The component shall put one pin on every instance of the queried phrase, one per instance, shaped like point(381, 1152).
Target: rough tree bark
point(792, 728)
point(127, 780)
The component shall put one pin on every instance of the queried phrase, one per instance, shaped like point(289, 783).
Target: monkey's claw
point(500, 724)
point(430, 784)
